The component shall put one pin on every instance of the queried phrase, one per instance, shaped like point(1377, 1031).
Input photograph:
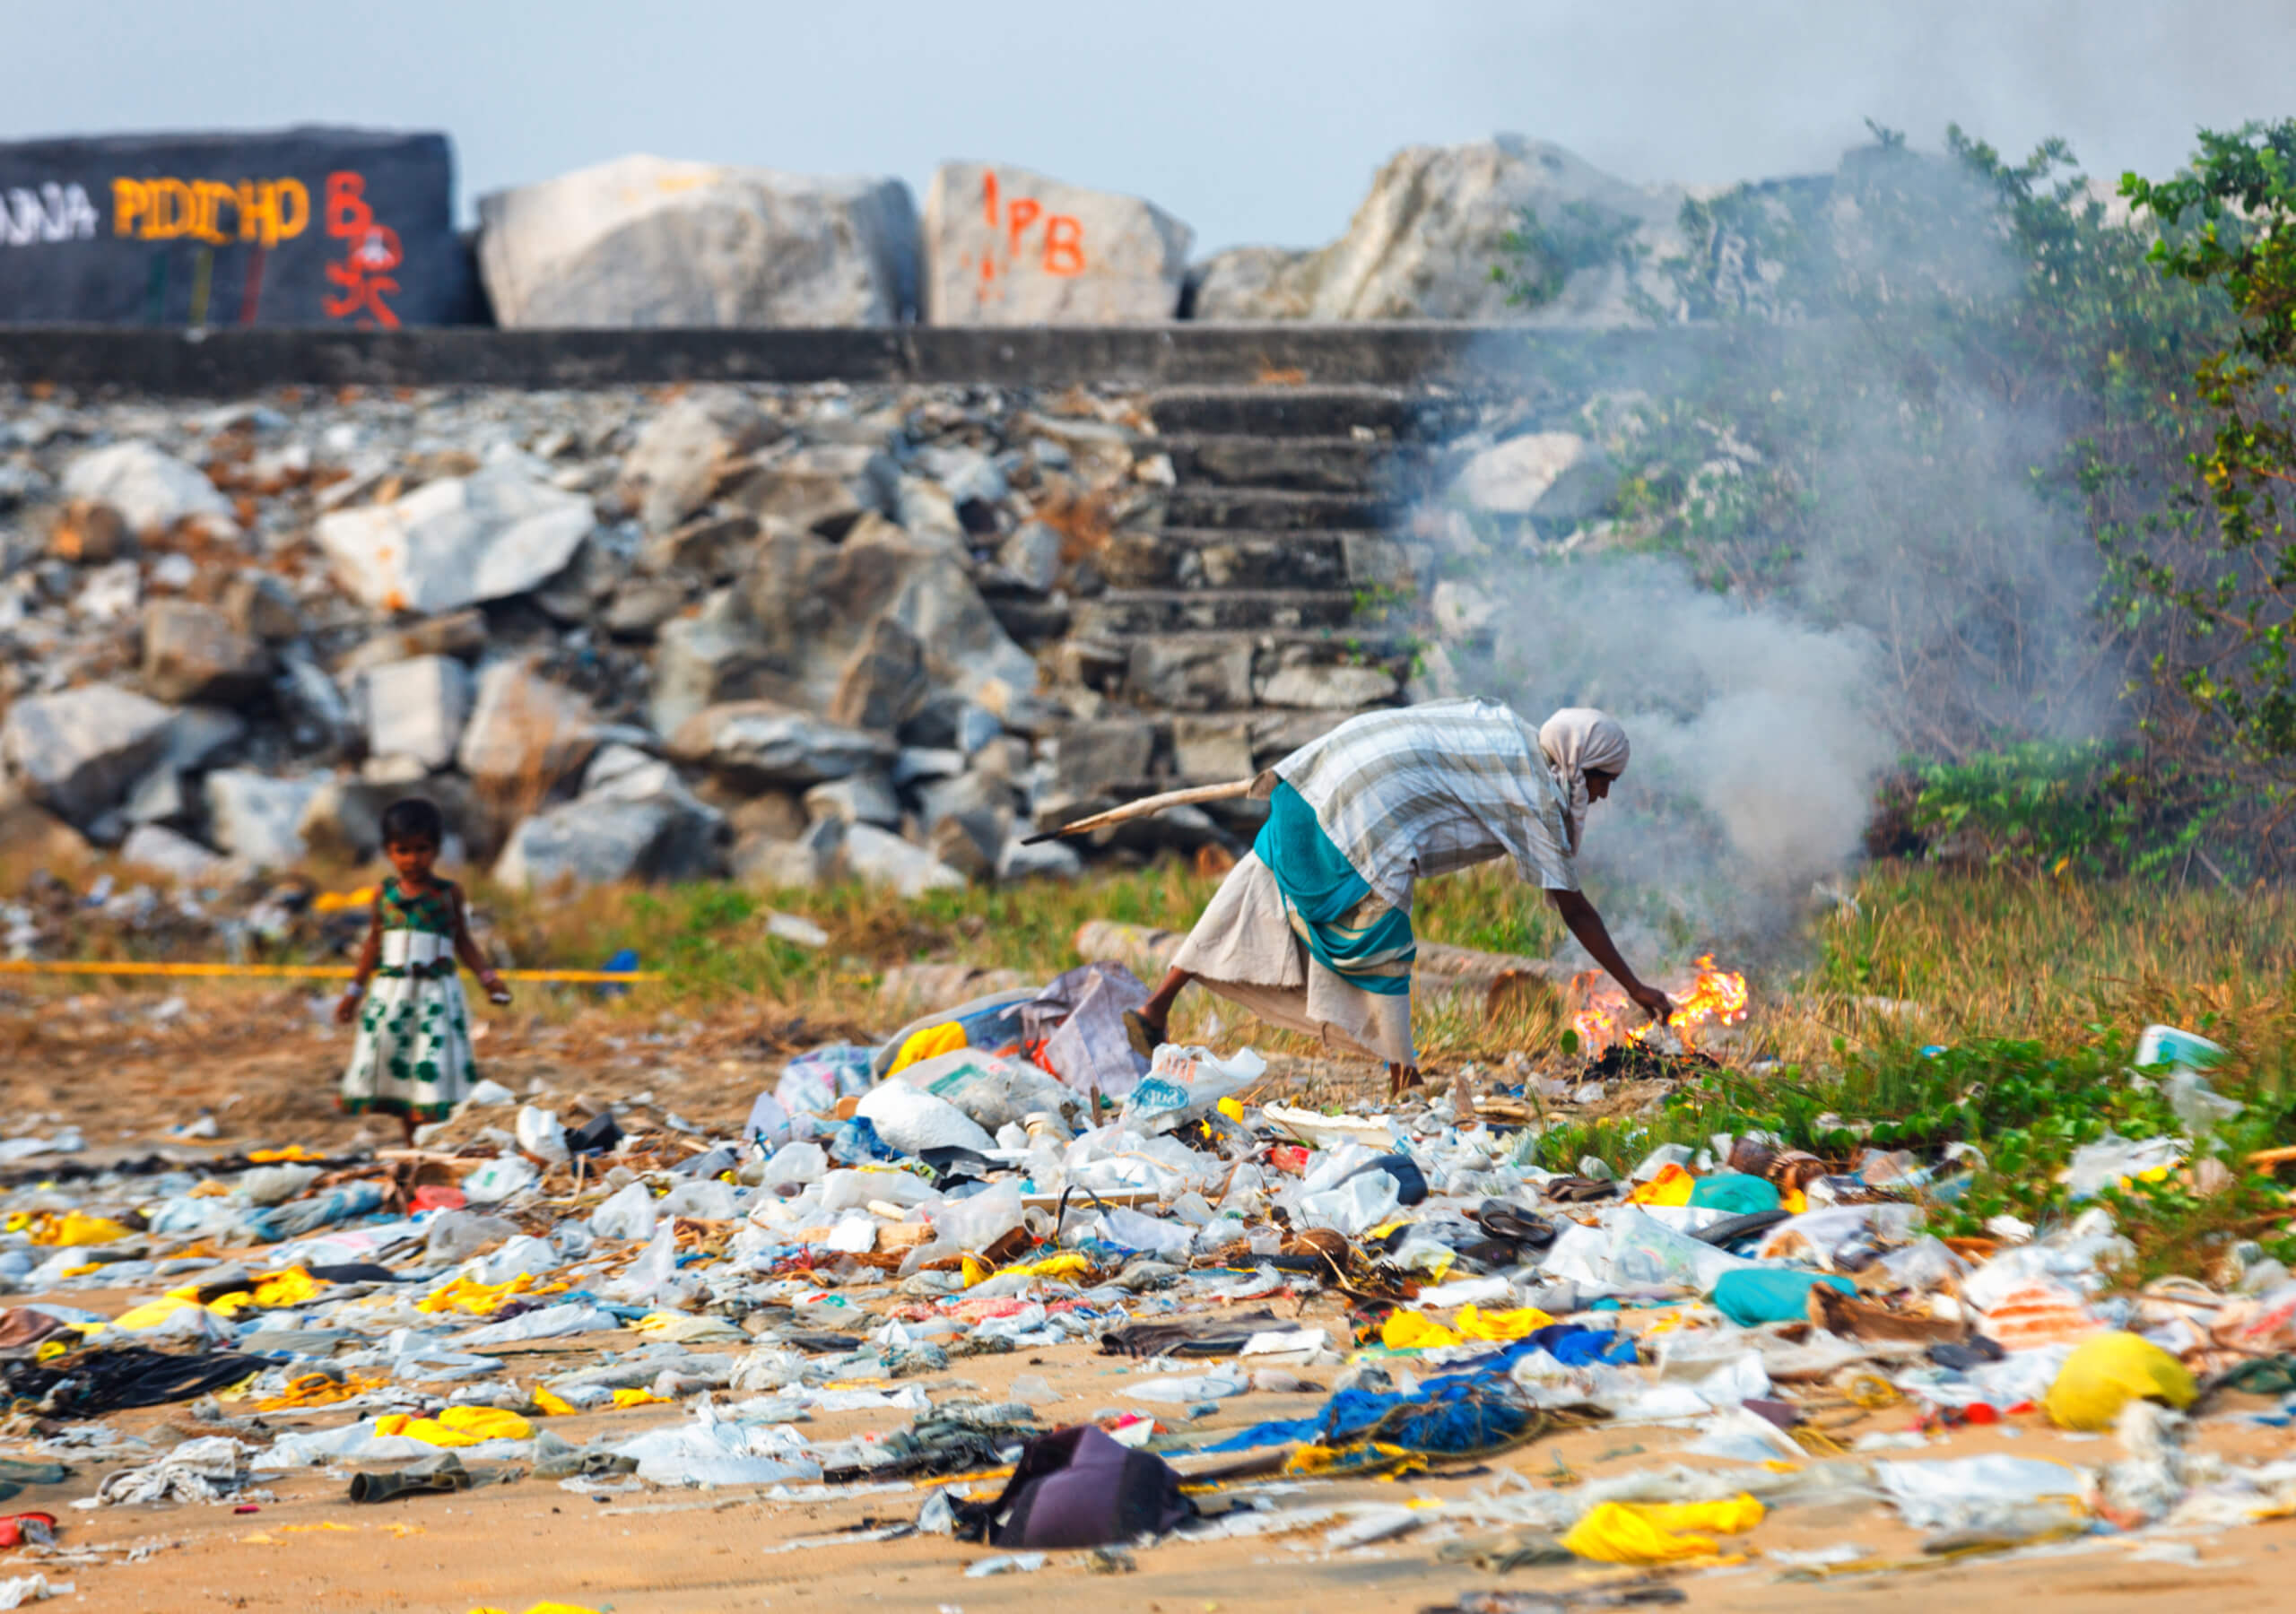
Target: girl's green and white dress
point(413, 1056)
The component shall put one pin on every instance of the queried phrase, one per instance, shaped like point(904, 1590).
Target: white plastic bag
point(1644, 1250)
point(706, 1200)
point(540, 1133)
point(1183, 1082)
point(499, 1179)
point(627, 1213)
point(912, 1122)
point(975, 1223)
point(1355, 1206)
point(991, 1090)
point(795, 1163)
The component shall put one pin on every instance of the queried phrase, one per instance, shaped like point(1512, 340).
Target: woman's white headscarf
point(1573, 740)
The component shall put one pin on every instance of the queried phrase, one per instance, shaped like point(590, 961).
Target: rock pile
point(774, 633)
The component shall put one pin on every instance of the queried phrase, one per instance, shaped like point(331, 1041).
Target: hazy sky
point(1253, 120)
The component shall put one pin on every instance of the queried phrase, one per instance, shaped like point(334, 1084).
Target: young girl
point(413, 1057)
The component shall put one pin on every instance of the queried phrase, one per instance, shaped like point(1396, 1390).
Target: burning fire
point(1712, 997)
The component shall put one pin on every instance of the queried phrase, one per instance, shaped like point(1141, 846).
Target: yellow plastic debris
point(638, 1398)
point(1655, 1532)
point(2107, 1371)
point(1412, 1331)
point(293, 1153)
point(482, 1299)
point(1231, 1107)
point(1475, 1323)
point(456, 1425)
point(1671, 1186)
point(343, 902)
point(930, 1042)
point(1409, 1331)
point(318, 1390)
point(70, 1230)
point(552, 1403)
point(1066, 1264)
point(153, 1313)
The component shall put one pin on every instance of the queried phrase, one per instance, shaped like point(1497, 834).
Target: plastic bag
point(913, 1122)
point(1354, 1207)
point(980, 1221)
point(1957, 1493)
point(2113, 1161)
point(2106, 1372)
point(1129, 1229)
point(991, 1090)
point(455, 1235)
point(1770, 1295)
point(814, 1081)
point(499, 1179)
point(1652, 1532)
point(703, 1200)
point(768, 1126)
point(274, 1184)
point(627, 1213)
point(1183, 1083)
point(1644, 1250)
point(540, 1133)
point(795, 1163)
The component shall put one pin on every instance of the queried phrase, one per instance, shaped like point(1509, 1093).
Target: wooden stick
point(1145, 806)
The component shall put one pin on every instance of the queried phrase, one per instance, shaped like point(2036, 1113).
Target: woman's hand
point(346, 1007)
point(496, 992)
point(1652, 1002)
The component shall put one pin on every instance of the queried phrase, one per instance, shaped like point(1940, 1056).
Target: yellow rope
point(337, 972)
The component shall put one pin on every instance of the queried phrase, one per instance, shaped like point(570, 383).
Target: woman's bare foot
point(1402, 1079)
point(1145, 1035)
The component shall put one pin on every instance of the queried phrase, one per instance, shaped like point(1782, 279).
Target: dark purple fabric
point(1077, 1488)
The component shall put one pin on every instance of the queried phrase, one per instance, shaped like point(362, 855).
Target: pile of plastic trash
point(1009, 1175)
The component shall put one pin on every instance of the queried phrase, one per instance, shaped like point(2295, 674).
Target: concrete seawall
point(232, 362)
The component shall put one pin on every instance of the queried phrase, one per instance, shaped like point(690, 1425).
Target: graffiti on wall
point(306, 226)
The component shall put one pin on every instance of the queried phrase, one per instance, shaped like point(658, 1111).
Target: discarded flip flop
point(1578, 1190)
point(1502, 1220)
point(1144, 1036)
point(35, 1528)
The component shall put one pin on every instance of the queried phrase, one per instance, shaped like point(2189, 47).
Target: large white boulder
point(452, 542)
point(763, 744)
point(415, 708)
point(193, 652)
point(635, 819)
point(258, 819)
point(1424, 241)
point(524, 731)
point(646, 241)
point(878, 857)
point(180, 858)
point(1003, 245)
point(75, 752)
point(1555, 475)
point(149, 487)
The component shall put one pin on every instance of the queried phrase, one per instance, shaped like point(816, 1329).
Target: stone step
point(1275, 510)
point(1322, 412)
point(1302, 464)
point(1195, 558)
point(1126, 612)
point(1240, 670)
point(1123, 752)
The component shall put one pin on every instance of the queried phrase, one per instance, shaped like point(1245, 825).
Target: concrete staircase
point(1273, 601)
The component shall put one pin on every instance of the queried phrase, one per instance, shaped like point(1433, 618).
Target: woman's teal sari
point(1348, 931)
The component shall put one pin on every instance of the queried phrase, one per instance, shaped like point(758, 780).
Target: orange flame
point(1713, 997)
